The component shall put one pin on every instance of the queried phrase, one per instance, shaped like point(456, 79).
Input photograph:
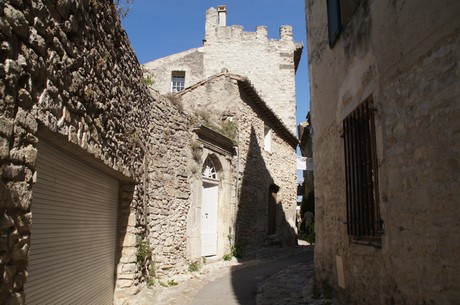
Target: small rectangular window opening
point(177, 81)
point(339, 14)
point(334, 22)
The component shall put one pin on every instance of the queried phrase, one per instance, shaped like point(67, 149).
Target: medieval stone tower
point(268, 63)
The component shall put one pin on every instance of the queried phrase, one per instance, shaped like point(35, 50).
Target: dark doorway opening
point(272, 191)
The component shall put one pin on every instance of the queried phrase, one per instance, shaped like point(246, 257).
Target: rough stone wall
point(258, 169)
point(168, 190)
point(404, 55)
point(268, 63)
point(69, 74)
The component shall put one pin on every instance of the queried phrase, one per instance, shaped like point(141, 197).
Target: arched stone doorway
point(212, 214)
point(209, 208)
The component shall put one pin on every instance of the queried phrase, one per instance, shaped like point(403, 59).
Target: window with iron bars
point(362, 188)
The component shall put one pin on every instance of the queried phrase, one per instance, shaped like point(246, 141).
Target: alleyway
point(271, 276)
point(240, 286)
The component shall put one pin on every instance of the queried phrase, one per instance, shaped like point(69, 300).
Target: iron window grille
point(363, 214)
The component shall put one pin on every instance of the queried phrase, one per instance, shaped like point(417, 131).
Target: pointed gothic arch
point(209, 170)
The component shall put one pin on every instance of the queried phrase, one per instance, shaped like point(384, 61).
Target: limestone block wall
point(404, 56)
point(68, 74)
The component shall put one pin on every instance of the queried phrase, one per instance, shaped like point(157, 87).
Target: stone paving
point(292, 286)
point(288, 287)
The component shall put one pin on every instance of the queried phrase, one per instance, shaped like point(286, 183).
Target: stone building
point(256, 197)
point(209, 85)
point(385, 113)
point(85, 150)
point(270, 64)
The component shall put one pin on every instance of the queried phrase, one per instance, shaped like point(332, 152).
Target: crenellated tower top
point(216, 29)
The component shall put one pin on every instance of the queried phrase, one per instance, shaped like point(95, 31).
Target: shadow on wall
point(261, 220)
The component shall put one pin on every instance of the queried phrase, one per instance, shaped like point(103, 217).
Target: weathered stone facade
point(168, 188)
point(70, 77)
point(226, 98)
point(270, 64)
point(404, 56)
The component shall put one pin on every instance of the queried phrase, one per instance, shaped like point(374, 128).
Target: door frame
point(208, 183)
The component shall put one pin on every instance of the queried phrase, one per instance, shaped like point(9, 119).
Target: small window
point(267, 138)
point(362, 187)
point(177, 81)
point(334, 22)
point(339, 14)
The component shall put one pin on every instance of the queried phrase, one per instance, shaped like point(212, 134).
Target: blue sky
point(160, 28)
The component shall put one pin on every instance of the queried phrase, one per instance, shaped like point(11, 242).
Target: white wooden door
point(209, 219)
point(73, 235)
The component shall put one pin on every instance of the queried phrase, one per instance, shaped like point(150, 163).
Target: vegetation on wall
point(144, 252)
point(194, 267)
point(229, 128)
point(235, 250)
point(202, 116)
point(176, 100)
point(148, 76)
point(206, 117)
point(123, 7)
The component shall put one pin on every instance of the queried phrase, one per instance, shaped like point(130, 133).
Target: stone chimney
point(222, 11)
point(286, 32)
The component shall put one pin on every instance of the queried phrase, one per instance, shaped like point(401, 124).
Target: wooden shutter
point(334, 21)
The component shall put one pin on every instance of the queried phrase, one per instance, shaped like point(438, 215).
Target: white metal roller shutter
point(73, 235)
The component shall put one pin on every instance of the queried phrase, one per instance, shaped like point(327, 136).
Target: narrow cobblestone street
point(278, 275)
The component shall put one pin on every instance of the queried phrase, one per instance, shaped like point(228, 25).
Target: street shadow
point(261, 224)
point(260, 219)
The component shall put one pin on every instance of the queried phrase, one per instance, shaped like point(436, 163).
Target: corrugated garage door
point(73, 235)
